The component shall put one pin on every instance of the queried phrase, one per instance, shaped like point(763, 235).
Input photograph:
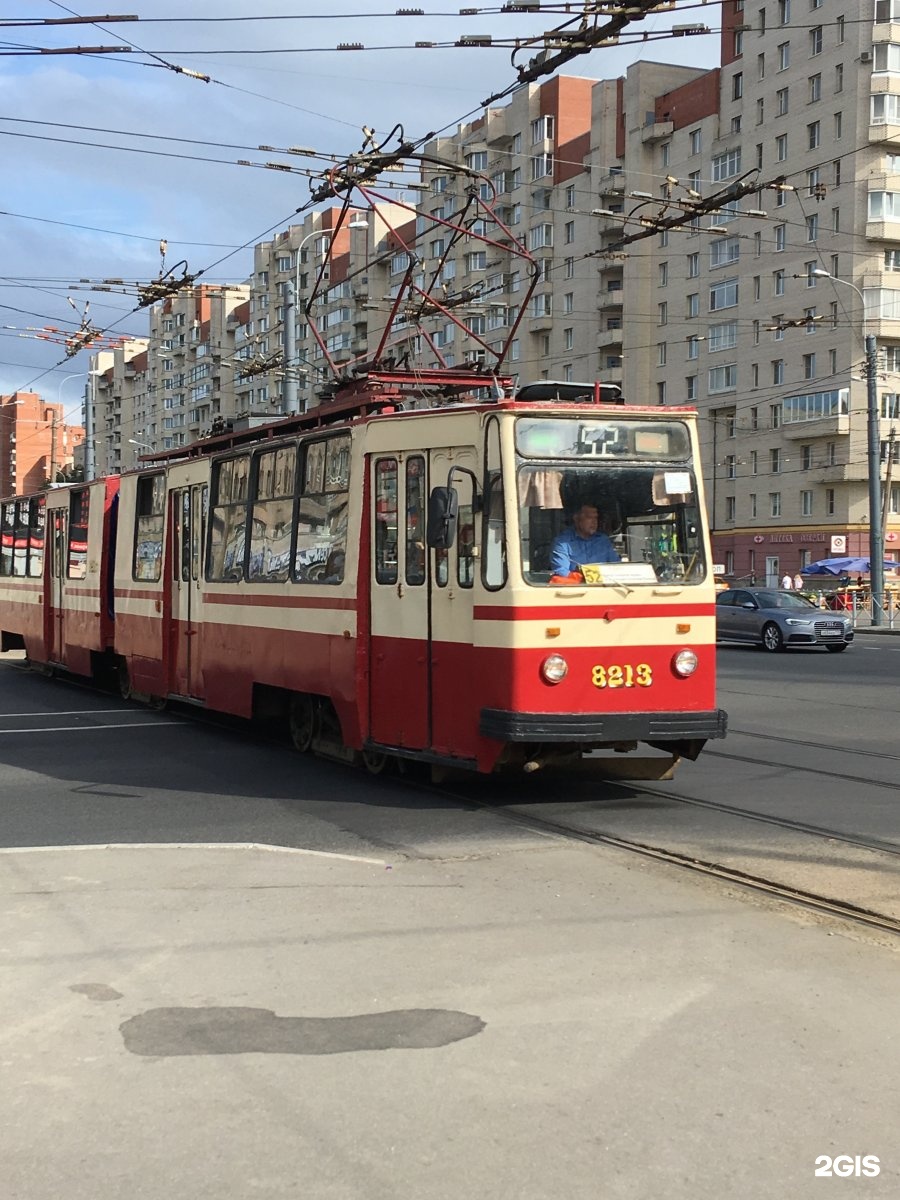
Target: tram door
point(59, 550)
point(421, 609)
point(452, 683)
point(187, 516)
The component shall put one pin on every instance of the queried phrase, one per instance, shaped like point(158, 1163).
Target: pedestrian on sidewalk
point(787, 583)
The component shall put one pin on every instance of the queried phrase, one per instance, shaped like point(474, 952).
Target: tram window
point(20, 539)
point(184, 524)
point(465, 535)
point(271, 515)
point(148, 536)
point(227, 532)
point(36, 525)
point(321, 546)
point(415, 520)
point(441, 566)
point(494, 557)
point(7, 536)
point(647, 527)
point(386, 520)
point(79, 510)
point(198, 524)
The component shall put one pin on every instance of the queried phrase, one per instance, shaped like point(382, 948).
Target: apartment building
point(755, 312)
point(754, 319)
point(36, 445)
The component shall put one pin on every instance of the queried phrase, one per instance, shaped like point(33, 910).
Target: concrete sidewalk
point(219, 1023)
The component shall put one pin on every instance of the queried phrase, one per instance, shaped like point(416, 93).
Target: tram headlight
point(685, 663)
point(554, 668)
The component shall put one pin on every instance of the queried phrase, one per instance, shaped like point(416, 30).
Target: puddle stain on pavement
point(169, 1032)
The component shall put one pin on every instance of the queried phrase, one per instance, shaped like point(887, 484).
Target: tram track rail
point(759, 884)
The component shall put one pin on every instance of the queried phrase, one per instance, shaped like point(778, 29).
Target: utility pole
point(876, 535)
point(886, 501)
point(89, 428)
point(289, 390)
point(52, 478)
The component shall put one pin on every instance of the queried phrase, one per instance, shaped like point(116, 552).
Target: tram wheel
point(304, 722)
point(123, 681)
point(376, 762)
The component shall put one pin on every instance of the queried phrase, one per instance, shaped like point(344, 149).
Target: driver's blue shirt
point(571, 551)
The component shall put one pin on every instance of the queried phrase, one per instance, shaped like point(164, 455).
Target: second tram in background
point(378, 574)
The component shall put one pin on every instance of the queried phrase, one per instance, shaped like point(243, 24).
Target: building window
point(662, 311)
point(784, 12)
point(813, 135)
point(737, 85)
point(815, 88)
point(831, 454)
point(806, 504)
point(812, 227)
point(693, 305)
point(730, 466)
point(815, 41)
point(829, 501)
point(781, 102)
point(693, 347)
point(661, 393)
point(778, 279)
point(723, 295)
point(806, 457)
point(781, 147)
point(839, 77)
point(780, 237)
point(775, 461)
point(663, 274)
point(753, 512)
point(840, 29)
point(729, 508)
point(754, 462)
point(695, 141)
point(778, 370)
point(722, 379)
point(784, 56)
point(775, 416)
point(569, 338)
point(690, 386)
point(774, 504)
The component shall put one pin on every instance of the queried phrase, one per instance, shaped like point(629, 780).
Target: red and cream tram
point(378, 572)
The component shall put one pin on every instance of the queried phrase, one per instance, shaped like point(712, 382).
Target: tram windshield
point(608, 502)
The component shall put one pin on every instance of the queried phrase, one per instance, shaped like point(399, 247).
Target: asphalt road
point(233, 972)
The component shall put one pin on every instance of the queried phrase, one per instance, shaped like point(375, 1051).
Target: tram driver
point(581, 542)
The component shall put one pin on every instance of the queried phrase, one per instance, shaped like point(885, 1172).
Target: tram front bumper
point(683, 733)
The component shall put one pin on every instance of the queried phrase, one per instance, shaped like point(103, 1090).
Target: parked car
point(775, 620)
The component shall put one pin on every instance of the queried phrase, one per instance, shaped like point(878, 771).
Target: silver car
point(775, 620)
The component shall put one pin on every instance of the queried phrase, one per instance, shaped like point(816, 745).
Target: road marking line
point(71, 712)
point(378, 862)
point(91, 728)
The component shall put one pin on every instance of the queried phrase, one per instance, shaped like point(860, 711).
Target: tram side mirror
point(443, 512)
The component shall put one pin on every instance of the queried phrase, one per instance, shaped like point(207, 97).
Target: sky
point(92, 178)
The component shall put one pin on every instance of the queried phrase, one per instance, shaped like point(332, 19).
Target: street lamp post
point(876, 533)
point(88, 408)
point(292, 291)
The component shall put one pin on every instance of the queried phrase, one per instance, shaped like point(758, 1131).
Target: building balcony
point(654, 131)
point(805, 431)
point(612, 184)
point(607, 339)
point(884, 231)
point(856, 472)
point(610, 299)
point(885, 135)
point(540, 323)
